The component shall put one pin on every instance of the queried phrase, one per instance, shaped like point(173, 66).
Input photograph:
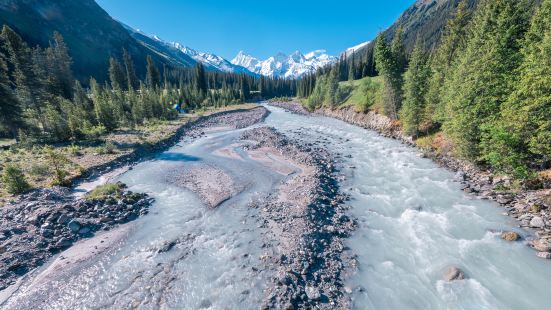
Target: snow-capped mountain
point(211, 60)
point(295, 65)
point(353, 49)
point(175, 50)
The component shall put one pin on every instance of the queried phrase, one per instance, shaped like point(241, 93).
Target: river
point(414, 222)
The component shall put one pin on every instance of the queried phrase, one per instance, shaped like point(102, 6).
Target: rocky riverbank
point(532, 208)
point(44, 222)
point(306, 224)
point(239, 118)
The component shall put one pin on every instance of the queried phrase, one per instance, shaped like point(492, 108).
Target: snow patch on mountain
point(291, 66)
point(353, 49)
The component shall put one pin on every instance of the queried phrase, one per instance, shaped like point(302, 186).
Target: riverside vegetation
point(61, 126)
point(482, 94)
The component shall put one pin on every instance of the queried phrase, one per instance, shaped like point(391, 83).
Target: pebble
point(544, 255)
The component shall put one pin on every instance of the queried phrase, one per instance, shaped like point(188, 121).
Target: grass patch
point(366, 94)
point(103, 191)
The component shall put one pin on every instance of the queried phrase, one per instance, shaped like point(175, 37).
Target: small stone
point(84, 231)
point(544, 255)
point(503, 199)
point(312, 293)
point(510, 236)
point(74, 225)
point(537, 222)
point(64, 242)
point(542, 245)
point(460, 176)
point(47, 233)
point(63, 219)
point(453, 274)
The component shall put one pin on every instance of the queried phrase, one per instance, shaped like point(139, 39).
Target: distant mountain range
point(293, 66)
point(179, 53)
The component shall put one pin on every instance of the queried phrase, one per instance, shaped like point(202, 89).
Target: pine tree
point(60, 75)
point(415, 88)
point(29, 87)
point(522, 135)
point(389, 69)
point(398, 51)
point(10, 110)
point(116, 75)
point(452, 42)
point(484, 75)
point(102, 108)
point(84, 104)
point(199, 79)
point(153, 77)
point(131, 78)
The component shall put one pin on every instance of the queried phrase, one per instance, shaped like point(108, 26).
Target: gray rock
point(47, 233)
point(453, 274)
point(537, 222)
point(312, 293)
point(84, 230)
point(504, 199)
point(542, 245)
point(74, 225)
point(544, 255)
point(64, 242)
point(63, 219)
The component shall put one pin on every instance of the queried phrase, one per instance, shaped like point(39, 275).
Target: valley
point(144, 166)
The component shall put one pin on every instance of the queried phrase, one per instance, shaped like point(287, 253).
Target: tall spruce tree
point(390, 70)
point(11, 117)
point(485, 73)
point(153, 77)
point(199, 79)
point(452, 42)
point(116, 75)
point(29, 88)
point(415, 89)
point(60, 74)
point(522, 135)
point(131, 78)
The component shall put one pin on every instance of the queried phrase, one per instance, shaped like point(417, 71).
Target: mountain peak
point(295, 65)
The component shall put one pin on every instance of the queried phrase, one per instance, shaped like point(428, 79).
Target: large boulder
point(510, 236)
point(454, 274)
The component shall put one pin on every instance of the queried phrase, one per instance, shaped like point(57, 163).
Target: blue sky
point(260, 28)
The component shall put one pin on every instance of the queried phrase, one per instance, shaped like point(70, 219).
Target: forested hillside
point(42, 102)
point(484, 89)
point(91, 35)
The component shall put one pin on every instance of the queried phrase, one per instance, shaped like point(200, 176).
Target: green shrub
point(74, 150)
point(103, 191)
point(39, 170)
point(14, 179)
point(108, 148)
point(57, 162)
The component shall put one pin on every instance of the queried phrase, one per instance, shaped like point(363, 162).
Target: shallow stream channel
point(202, 244)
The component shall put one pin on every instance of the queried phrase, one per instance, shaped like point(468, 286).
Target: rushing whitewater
point(413, 223)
